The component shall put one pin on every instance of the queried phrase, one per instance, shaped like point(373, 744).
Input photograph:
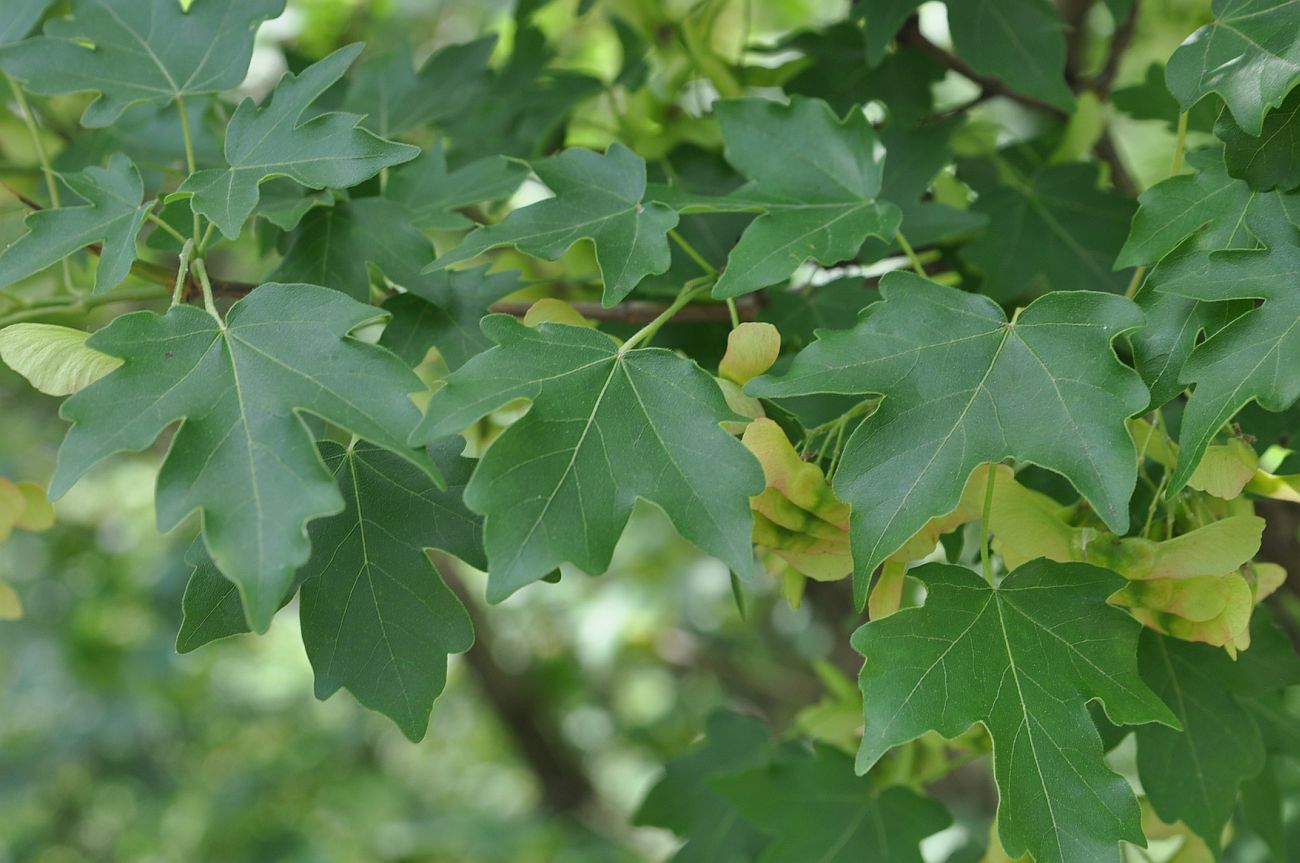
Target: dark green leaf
point(211, 605)
point(433, 194)
point(111, 217)
point(376, 616)
point(1024, 659)
point(1252, 358)
point(334, 245)
point(1058, 232)
point(1019, 41)
point(1249, 55)
point(1271, 159)
point(242, 454)
point(1193, 775)
point(606, 427)
point(817, 809)
point(963, 387)
point(131, 51)
point(395, 99)
point(814, 177)
point(442, 311)
point(325, 150)
point(598, 198)
point(684, 802)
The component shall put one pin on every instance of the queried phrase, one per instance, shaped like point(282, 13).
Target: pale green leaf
point(53, 359)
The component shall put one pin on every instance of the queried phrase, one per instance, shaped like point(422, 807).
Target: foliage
point(890, 320)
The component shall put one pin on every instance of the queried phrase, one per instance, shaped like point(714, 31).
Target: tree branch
point(1104, 80)
point(523, 710)
point(911, 36)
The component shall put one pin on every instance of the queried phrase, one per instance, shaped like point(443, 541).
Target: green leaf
point(1193, 775)
point(817, 809)
point(212, 608)
point(1023, 659)
point(53, 359)
point(1020, 42)
point(1249, 55)
point(243, 455)
point(131, 51)
point(963, 387)
point(606, 427)
point(1151, 100)
point(376, 616)
point(433, 194)
point(598, 197)
point(1271, 159)
point(1057, 232)
point(333, 246)
point(395, 99)
point(813, 177)
point(1253, 357)
point(916, 156)
point(282, 139)
point(20, 17)
point(834, 68)
point(1206, 202)
point(1206, 210)
point(443, 311)
point(684, 801)
point(526, 108)
point(112, 217)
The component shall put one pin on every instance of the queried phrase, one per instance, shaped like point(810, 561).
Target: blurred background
point(114, 747)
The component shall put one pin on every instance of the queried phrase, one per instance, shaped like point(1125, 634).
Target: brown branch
point(523, 709)
point(1109, 153)
point(911, 36)
point(1075, 14)
point(1104, 80)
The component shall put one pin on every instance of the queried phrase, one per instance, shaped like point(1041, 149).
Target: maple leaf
point(274, 140)
point(376, 616)
point(1023, 658)
point(598, 197)
point(112, 217)
point(1054, 232)
point(1248, 54)
point(1251, 358)
point(1019, 41)
point(606, 427)
point(242, 454)
point(814, 179)
point(817, 809)
point(962, 387)
point(131, 51)
point(1271, 159)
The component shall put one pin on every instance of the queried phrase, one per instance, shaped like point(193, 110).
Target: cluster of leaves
point(1025, 374)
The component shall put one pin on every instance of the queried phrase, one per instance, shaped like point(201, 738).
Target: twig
point(911, 36)
point(1119, 176)
point(1104, 80)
